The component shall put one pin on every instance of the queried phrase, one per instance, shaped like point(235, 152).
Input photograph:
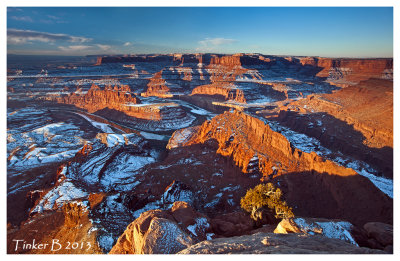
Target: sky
point(302, 31)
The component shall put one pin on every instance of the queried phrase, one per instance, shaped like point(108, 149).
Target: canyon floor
point(150, 154)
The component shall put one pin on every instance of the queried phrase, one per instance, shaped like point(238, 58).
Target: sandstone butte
point(316, 186)
point(356, 120)
point(367, 106)
point(223, 72)
point(225, 89)
point(244, 138)
point(355, 70)
point(157, 87)
point(117, 98)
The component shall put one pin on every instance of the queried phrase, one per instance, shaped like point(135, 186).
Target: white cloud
point(53, 17)
point(75, 48)
point(213, 44)
point(86, 49)
point(22, 18)
point(104, 47)
point(216, 41)
point(127, 44)
point(16, 36)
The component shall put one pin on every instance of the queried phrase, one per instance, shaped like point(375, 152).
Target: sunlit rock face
point(351, 70)
point(255, 147)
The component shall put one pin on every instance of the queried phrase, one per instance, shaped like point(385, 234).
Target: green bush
point(266, 195)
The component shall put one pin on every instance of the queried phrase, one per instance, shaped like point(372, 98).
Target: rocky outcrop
point(178, 191)
point(244, 138)
point(269, 243)
point(109, 101)
point(351, 70)
point(361, 114)
point(333, 191)
point(227, 90)
point(228, 60)
point(97, 98)
point(380, 235)
point(117, 98)
point(225, 68)
point(338, 229)
point(163, 232)
point(232, 224)
point(157, 87)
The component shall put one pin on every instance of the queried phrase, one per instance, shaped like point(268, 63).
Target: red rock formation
point(225, 89)
point(225, 68)
point(96, 98)
point(98, 61)
point(157, 87)
point(243, 138)
point(351, 70)
point(368, 107)
point(316, 186)
point(223, 72)
point(228, 60)
point(117, 98)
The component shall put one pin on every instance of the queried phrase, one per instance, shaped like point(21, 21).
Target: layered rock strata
point(332, 191)
point(157, 87)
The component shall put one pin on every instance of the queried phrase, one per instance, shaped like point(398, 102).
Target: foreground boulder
point(329, 228)
point(380, 235)
point(163, 231)
point(269, 243)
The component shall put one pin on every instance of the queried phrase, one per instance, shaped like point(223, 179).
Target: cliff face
point(254, 145)
point(96, 98)
point(351, 70)
point(225, 68)
point(357, 121)
point(223, 72)
point(313, 185)
point(227, 90)
point(117, 98)
point(157, 87)
point(228, 60)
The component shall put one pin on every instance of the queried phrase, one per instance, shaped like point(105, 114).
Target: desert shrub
point(266, 195)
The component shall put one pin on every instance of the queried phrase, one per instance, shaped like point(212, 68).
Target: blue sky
point(313, 31)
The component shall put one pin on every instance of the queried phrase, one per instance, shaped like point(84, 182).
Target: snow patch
point(339, 230)
point(65, 192)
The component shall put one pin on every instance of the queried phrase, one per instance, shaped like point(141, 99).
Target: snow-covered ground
point(153, 136)
point(101, 126)
point(40, 142)
point(122, 170)
point(181, 136)
point(64, 192)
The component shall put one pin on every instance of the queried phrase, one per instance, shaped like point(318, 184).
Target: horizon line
point(217, 53)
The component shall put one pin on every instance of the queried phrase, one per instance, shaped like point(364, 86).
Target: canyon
point(141, 154)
